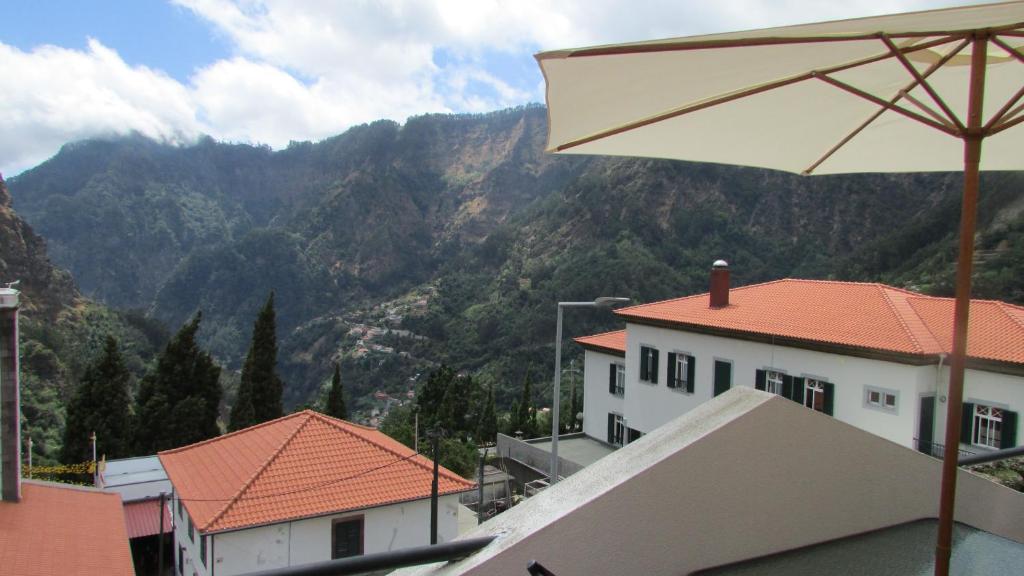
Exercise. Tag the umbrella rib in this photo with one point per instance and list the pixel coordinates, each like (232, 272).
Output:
(874, 116)
(924, 84)
(678, 46)
(1005, 125)
(898, 109)
(687, 109)
(1004, 113)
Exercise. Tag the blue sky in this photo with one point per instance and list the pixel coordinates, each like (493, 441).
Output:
(272, 71)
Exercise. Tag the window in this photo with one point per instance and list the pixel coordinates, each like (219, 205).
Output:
(181, 512)
(616, 429)
(814, 394)
(347, 538)
(617, 379)
(681, 368)
(202, 549)
(649, 364)
(880, 399)
(988, 426)
(773, 382)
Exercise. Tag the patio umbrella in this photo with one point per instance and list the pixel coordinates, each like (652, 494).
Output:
(901, 93)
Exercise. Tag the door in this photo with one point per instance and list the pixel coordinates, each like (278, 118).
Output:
(723, 376)
(924, 428)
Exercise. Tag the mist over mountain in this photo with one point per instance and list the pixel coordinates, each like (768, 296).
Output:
(393, 248)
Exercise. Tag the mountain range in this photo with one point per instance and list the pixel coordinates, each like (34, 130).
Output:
(394, 248)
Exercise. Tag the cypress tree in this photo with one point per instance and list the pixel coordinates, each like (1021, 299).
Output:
(487, 430)
(574, 407)
(179, 399)
(523, 420)
(243, 414)
(260, 368)
(335, 397)
(101, 404)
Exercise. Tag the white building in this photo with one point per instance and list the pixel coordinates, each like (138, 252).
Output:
(870, 355)
(300, 489)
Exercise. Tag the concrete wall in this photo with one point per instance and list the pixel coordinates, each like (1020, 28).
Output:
(647, 406)
(744, 475)
(597, 401)
(533, 456)
(302, 541)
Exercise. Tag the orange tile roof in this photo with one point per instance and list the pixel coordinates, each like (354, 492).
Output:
(862, 315)
(62, 530)
(142, 518)
(305, 464)
(610, 341)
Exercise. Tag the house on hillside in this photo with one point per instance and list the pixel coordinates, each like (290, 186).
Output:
(140, 481)
(868, 354)
(728, 489)
(49, 529)
(300, 489)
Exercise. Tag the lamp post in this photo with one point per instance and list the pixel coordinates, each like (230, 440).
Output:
(602, 302)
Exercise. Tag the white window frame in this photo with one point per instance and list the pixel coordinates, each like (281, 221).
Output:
(648, 360)
(773, 380)
(881, 399)
(619, 424)
(620, 379)
(681, 370)
(812, 388)
(987, 426)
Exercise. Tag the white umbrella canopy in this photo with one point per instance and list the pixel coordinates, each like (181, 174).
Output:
(902, 93)
(764, 98)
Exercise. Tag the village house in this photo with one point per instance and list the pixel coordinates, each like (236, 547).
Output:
(300, 489)
(870, 355)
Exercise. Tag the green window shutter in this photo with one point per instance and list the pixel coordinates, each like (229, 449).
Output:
(654, 365)
(691, 371)
(611, 428)
(966, 421)
(644, 351)
(830, 394)
(1009, 430)
(759, 380)
(798, 390)
(611, 378)
(787, 386)
(671, 380)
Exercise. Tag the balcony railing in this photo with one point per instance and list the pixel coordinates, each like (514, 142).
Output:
(937, 450)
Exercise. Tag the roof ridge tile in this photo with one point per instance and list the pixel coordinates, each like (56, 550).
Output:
(897, 311)
(263, 467)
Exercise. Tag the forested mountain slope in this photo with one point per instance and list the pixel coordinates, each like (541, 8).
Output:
(459, 233)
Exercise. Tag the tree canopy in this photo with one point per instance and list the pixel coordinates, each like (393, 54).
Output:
(101, 404)
(260, 388)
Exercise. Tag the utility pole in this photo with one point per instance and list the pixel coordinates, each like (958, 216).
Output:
(480, 490)
(160, 545)
(95, 464)
(435, 441)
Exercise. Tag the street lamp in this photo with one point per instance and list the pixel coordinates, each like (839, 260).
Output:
(602, 302)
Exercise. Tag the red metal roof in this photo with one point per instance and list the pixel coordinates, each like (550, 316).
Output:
(142, 518)
(614, 342)
(64, 530)
(305, 464)
(862, 315)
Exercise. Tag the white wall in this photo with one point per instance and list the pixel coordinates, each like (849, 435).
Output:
(648, 406)
(385, 529)
(597, 401)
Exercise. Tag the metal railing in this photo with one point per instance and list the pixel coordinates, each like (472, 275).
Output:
(937, 450)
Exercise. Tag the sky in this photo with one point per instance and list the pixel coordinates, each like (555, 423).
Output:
(274, 71)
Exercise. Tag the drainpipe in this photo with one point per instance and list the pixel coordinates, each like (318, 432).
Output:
(938, 372)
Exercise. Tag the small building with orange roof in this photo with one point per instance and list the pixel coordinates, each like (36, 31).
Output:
(300, 489)
(871, 355)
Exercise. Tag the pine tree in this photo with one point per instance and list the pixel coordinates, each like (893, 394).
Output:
(335, 397)
(487, 429)
(523, 420)
(574, 407)
(179, 399)
(431, 397)
(259, 373)
(101, 404)
(243, 414)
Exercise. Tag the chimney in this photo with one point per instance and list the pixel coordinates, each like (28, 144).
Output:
(719, 284)
(10, 419)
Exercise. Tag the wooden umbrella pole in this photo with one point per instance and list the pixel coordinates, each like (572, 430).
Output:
(964, 269)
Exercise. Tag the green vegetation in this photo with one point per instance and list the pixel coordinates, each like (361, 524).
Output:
(178, 402)
(335, 405)
(101, 406)
(259, 390)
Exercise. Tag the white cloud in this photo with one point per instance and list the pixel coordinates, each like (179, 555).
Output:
(53, 95)
(306, 70)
